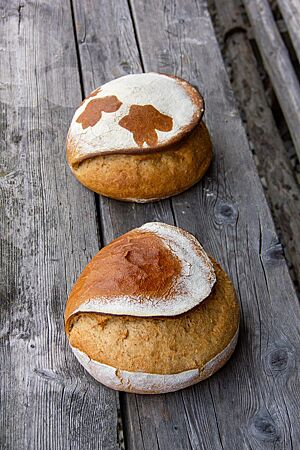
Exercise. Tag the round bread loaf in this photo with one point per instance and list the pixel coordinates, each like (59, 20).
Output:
(152, 313)
(140, 138)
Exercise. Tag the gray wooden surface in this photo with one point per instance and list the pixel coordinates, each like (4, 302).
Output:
(277, 63)
(290, 10)
(252, 403)
(272, 161)
(48, 233)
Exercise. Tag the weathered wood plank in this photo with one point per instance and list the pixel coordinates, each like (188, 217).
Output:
(249, 404)
(48, 233)
(156, 422)
(277, 63)
(273, 164)
(106, 52)
(290, 9)
(228, 212)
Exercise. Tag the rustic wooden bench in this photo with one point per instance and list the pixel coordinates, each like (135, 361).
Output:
(53, 53)
(275, 167)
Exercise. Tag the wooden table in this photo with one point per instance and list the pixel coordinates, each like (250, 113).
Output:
(53, 53)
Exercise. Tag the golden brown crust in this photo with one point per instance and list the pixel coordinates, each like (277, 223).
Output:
(135, 264)
(161, 345)
(151, 176)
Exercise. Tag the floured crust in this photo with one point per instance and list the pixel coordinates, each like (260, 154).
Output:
(148, 383)
(133, 114)
(148, 177)
(163, 354)
(154, 270)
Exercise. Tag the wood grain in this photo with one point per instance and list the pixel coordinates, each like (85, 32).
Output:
(107, 53)
(290, 9)
(252, 402)
(228, 213)
(159, 421)
(277, 63)
(273, 164)
(48, 233)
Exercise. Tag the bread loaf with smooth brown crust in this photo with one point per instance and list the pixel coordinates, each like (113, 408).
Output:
(152, 313)
(169, 344)
(140, 138)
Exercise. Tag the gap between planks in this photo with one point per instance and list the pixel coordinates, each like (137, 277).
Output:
(228, 236)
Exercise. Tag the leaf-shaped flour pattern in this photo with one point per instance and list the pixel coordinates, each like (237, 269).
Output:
(143, 120)
(92, 94)
(94, 109)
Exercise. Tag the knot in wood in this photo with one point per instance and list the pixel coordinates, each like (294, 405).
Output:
(274, 253)
(263, 428)
(126, 66)
(234, 29)
(278, 360)
(226, 212)
(16, 138)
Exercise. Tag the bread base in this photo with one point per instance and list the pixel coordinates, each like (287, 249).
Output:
(170, 345)
(147, 177)
(150, 383)
(157, 199)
